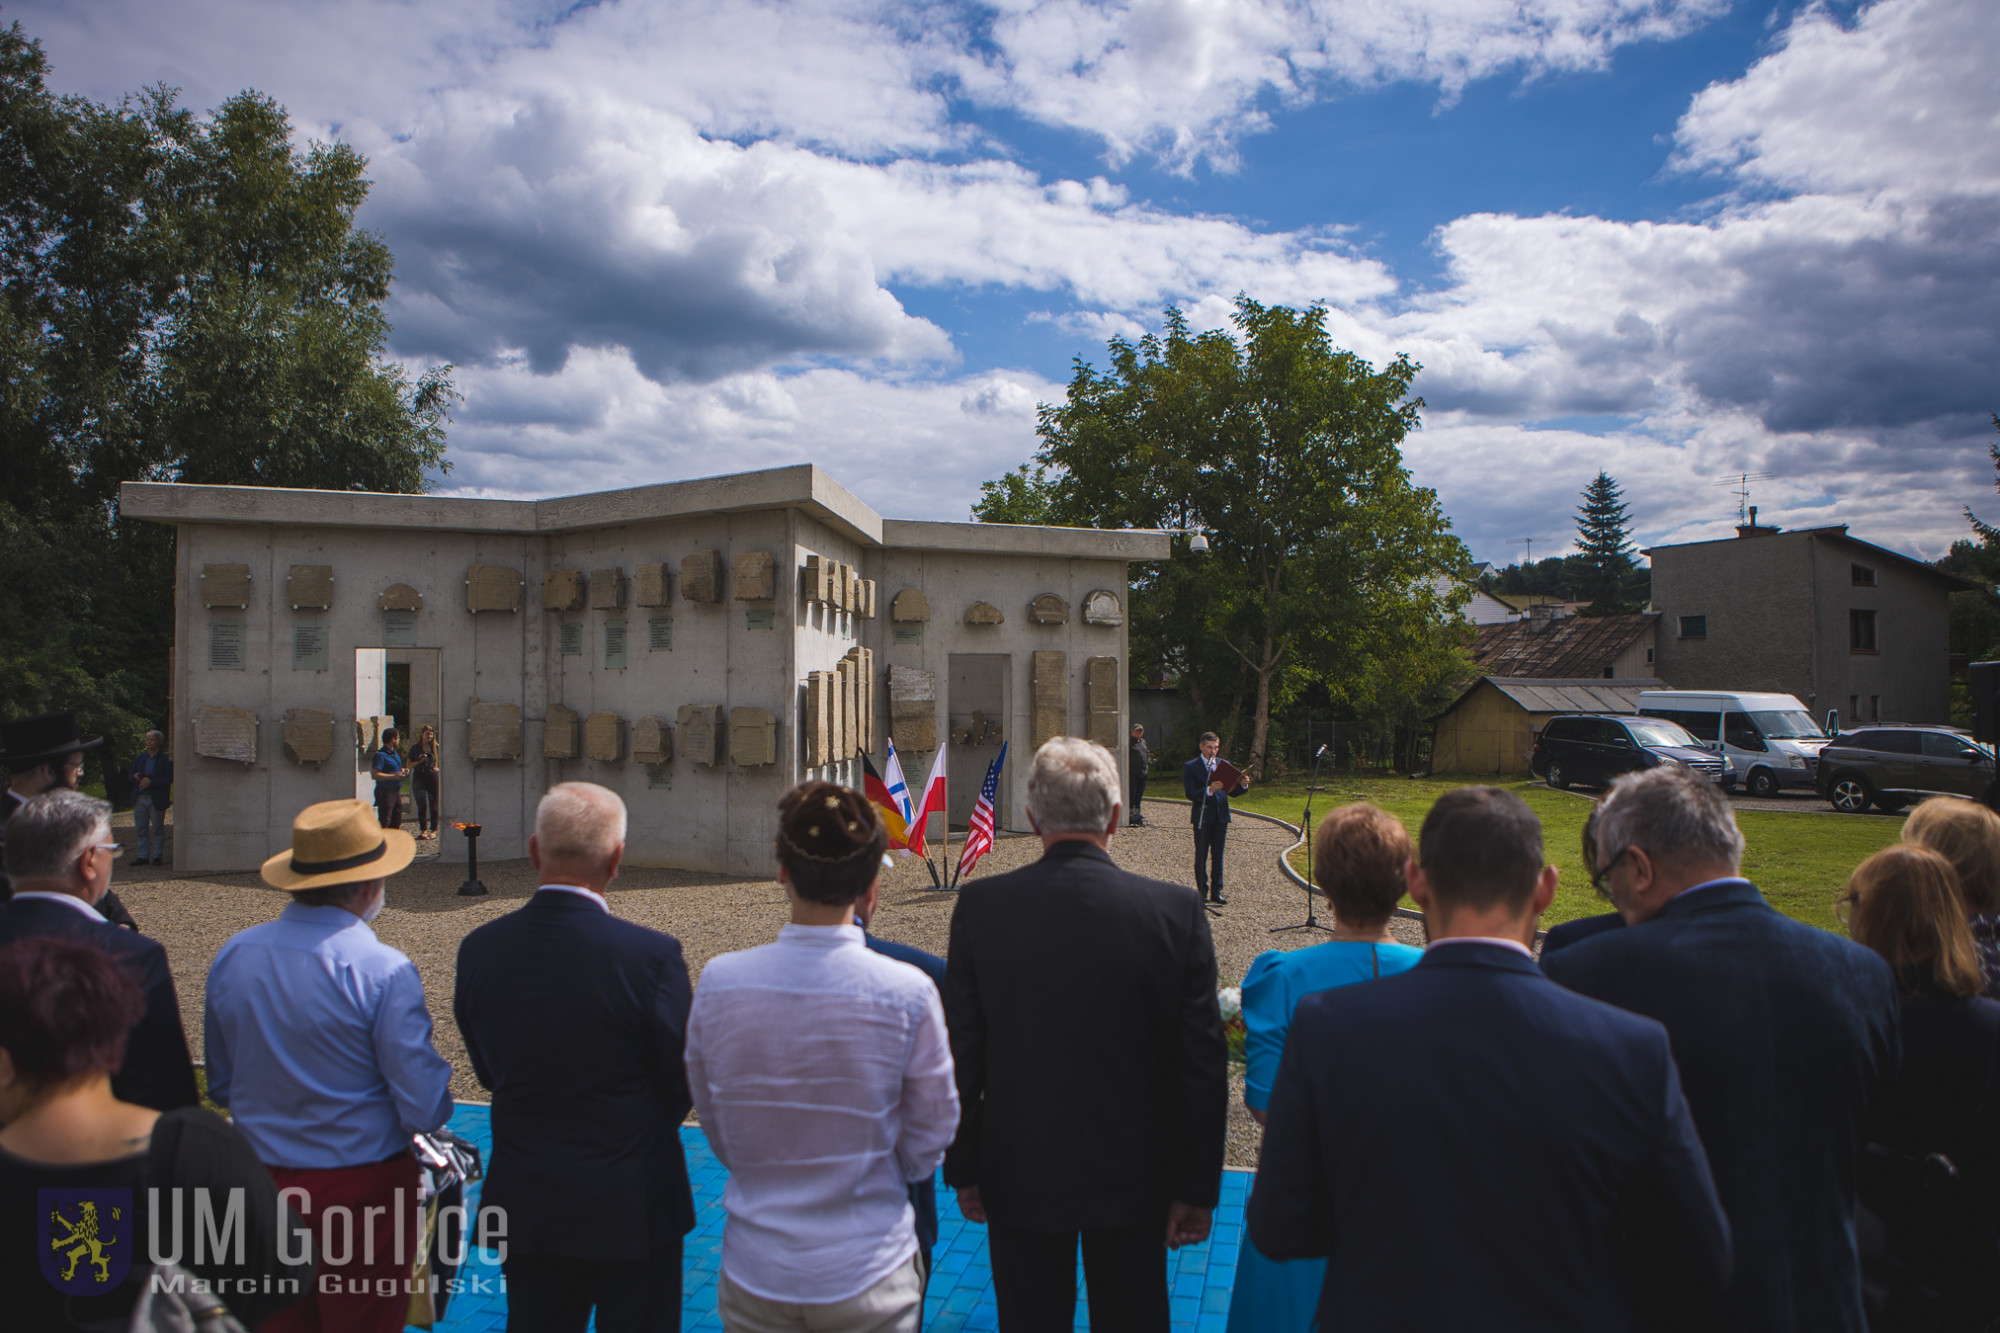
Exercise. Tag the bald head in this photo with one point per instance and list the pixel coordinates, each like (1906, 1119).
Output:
(579, 835)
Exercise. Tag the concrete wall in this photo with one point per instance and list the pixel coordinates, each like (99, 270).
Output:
(230, 816)
(1777, 609)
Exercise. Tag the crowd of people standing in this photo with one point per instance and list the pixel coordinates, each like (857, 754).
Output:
(1693, 1113)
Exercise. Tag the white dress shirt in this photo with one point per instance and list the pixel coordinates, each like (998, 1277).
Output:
(68, 900)
(823, 1079)
(1515, 945)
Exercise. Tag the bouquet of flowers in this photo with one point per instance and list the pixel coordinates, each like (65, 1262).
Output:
(1230, 999)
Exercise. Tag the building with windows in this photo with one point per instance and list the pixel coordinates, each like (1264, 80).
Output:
(1836, 621)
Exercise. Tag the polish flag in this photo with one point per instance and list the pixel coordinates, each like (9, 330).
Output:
(932, 802)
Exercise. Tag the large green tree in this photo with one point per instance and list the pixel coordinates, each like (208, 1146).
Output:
(182, 298)
(1604, 545)
(1325, 561)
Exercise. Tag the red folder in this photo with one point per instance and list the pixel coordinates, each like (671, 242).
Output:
(1228, 774)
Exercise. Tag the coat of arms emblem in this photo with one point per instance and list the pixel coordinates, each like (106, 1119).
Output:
(85, 1239)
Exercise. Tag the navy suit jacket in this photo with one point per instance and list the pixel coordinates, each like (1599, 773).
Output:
(1571, 932)
(1786, 1038)
(1473, 1147)
(1203, 807)
(577, 1021)
(157, 1071)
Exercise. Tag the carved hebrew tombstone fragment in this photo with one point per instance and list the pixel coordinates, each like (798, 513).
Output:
(701, 577)
(984, 613)
(559, 733)
(753, 737)
(492, 588)
(819, 719)
(604, 737)
(308, 735)
(562, 590)
(226, 733)
(700, 728)
(868, 599)
(910, 605)
(1049, 609)
(400, 597)
(651, 584)
(1102, 608)
(493, 730)
(1100, 701)
(754, 575)
(1051, 690)
(310, 588)
(225, 585)
(816, 580)
(652, 740)
(607, 590)
(913, 708)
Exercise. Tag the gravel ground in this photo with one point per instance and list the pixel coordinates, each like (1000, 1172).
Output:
(713, 914)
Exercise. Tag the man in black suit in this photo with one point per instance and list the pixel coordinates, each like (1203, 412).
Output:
(1208, 811)
(1785, 1036)
(59, 855)
(1472, 1146)
(1092, 1076)
(576, 1021)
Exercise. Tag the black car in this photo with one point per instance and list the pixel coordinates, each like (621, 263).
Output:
(1591, 750)
(1889, 767)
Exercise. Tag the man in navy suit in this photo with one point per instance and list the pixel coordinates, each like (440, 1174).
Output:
(59, 854)
(576, 1021)
(1470, 1145)
(1785, 1035)
(1208, 811)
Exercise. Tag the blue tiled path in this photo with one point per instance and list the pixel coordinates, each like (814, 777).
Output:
(961, 1290)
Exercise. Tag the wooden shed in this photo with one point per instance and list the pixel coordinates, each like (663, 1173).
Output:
(1491, 727)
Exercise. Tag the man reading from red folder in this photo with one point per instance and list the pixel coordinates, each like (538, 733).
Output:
(1209, 782)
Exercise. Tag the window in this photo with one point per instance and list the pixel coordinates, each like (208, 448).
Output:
(1860, 631)
(1853, 708)
(1701, 725)
(1864, 577)
(1874, 708)
(1938, 745)
(1886, 742)
(1740, 733)
(1694, 627)
(1649, 657)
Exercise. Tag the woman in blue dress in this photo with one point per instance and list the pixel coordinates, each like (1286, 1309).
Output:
(1359, 852)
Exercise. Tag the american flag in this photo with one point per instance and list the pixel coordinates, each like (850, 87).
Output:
(979, 834)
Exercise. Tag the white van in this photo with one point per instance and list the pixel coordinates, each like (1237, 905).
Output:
(1767, 741)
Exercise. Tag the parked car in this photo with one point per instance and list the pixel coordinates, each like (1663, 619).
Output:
(1767, 741)
(1890, 766)
(1591, 749)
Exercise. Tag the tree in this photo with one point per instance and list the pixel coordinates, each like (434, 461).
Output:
(1604, 547)
(181, 299)
(1285, 451)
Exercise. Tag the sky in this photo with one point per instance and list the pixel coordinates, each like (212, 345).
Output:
(1676, 240)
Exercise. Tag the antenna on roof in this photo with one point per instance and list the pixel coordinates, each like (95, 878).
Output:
(1527, 550)
(1741, 481)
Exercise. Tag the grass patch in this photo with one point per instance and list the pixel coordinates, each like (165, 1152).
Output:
(1800, 860)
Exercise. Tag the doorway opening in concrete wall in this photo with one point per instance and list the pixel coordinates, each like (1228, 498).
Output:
(402, 687)
(977, 709)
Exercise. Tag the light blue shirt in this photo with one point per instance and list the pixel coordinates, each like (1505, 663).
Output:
(319, 1042)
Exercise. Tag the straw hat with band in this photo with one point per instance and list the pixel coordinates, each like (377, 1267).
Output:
(339, 842)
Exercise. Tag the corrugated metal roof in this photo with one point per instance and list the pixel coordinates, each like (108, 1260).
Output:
(1581, 695)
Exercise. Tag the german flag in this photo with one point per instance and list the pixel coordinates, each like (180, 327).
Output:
(877, 792)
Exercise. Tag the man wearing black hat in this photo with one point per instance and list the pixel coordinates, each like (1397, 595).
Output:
(45, 753)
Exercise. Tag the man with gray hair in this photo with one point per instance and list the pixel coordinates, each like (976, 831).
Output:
(1092, 1076)
(1785, 1036)
(59, 856)
(576, 1020)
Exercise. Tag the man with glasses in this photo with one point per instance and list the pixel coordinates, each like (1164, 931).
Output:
(59, 855)
(1583, 927)
(1785, 1036)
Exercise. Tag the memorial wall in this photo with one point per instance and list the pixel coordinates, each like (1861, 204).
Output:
(696, 646)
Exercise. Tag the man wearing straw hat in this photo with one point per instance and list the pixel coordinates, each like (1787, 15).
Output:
(319, 1043)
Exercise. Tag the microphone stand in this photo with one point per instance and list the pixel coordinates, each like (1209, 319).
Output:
(1305, 826)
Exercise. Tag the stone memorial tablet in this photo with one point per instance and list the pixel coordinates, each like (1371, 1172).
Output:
(912, 708)
(754, 575)
(607, 590)
(1051, 701)
(1100, 701)
(753, 737)
(604, 737)
(1102, 608)
(1049, 609)
(868, 599)
(701, 577)
(400, 597)
(652, 585)
(652, 740)
(819, 719)
(562, 590)
(816, 582)
(843, 711)
(984, 613)
(910, 606)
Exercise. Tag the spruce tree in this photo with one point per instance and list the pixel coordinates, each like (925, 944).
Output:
(1604, 547)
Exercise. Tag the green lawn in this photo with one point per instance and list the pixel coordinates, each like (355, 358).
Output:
(1799, 859)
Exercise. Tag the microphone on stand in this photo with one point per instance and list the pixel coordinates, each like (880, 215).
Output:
(1321, 751)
